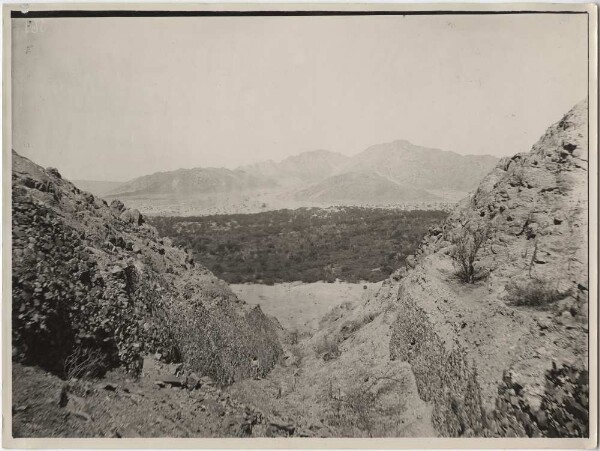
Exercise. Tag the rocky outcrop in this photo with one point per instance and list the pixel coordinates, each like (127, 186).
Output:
(486, 354)
(91, 279)
(132, 216)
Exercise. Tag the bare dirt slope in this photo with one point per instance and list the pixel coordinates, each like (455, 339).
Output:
(340, 381)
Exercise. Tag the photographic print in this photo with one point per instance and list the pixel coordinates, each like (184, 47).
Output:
(303, 224)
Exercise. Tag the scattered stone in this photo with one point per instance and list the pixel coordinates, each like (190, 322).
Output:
(132, 216)
(172, 381)
(207, 381)
(63, 397)
(108, 386)
(192, 381)
(54, 172)
(177, 368)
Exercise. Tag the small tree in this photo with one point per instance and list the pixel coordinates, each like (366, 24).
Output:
(468, 241)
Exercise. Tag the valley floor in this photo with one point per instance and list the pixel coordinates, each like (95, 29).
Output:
(300, 306)
(337, 379)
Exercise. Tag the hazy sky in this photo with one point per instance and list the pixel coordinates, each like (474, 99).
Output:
(115, 98)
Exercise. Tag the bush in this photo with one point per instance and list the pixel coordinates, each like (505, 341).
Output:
(63, 299)
(294, 336)
(468, 241)
(327, 348)
(533, 293)
(357, 409)
(82, 304)
(84, 363)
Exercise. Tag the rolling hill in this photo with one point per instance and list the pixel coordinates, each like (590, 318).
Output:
(422, 167)
(363, 187)
(396, 173)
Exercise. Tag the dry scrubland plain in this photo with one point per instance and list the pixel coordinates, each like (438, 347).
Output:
(483, 332)
(351, 244)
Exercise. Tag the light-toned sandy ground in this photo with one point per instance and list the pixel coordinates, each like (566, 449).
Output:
(300, 306)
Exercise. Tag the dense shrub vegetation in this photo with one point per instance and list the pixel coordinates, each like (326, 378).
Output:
(62, 300)
(307, 244)
(93, 287)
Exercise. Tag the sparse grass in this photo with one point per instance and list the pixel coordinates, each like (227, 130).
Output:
(533, 293)
(84, 363)
(294, 337)
(352, 326)
(355, 409)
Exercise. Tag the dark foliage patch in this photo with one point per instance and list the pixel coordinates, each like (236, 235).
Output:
(307, 244)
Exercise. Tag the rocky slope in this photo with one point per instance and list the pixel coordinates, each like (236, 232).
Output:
(92, 279)
(500, 353)
(507, 354)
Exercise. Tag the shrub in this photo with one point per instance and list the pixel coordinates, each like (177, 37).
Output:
(84, 301)
(84, 363)
(64, 300)
(533, 293)
(327, 348)
(357, 409)
(294, 336)
(563, 412)
(468, 241)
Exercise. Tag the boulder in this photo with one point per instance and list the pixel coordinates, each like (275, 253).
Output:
(207, 381)
(54, 172)
(172, 381)
(192, 381)
(132, 216)
(117, 206)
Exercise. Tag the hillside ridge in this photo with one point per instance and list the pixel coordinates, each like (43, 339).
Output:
(506, 355)
(96, 277)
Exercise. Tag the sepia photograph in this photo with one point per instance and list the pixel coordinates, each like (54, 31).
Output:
(300, 224)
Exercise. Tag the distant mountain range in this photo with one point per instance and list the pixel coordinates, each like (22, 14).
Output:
(385, 174)
(191, 182)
